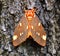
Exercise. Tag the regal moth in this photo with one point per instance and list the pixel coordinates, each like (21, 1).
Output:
(29, 25)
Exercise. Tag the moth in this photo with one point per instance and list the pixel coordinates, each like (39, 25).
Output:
(29, 25)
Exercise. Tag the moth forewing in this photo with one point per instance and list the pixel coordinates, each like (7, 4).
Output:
(20, 32)
(38, 33)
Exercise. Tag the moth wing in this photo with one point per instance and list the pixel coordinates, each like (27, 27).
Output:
(20, 32)
(38, 32)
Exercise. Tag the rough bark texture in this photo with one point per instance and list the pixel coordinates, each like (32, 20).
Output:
(48, 12)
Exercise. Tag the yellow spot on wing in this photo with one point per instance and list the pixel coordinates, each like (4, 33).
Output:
(20, 24)
(32, 27)
(38, 33)
(14, 37)
(39, 24)
(21, 33)
(27, 27)
(44, 37)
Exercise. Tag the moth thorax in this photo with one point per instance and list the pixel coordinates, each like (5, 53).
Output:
(29, 17)
(29, 14)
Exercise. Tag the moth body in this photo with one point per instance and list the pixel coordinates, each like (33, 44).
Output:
(29, 25)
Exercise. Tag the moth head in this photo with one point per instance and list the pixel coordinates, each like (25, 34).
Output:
(29, 14)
